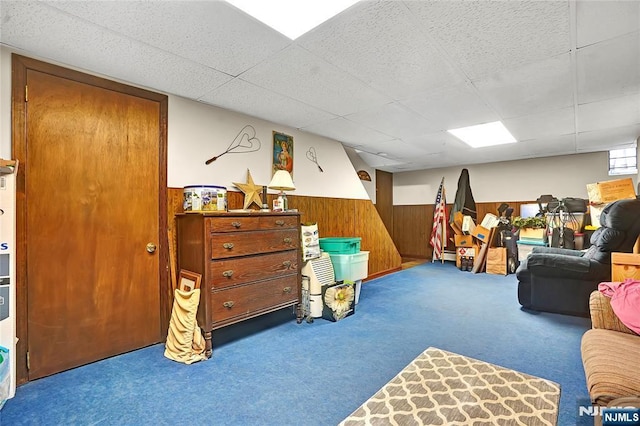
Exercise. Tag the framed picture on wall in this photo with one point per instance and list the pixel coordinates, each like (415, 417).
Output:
(282, 153)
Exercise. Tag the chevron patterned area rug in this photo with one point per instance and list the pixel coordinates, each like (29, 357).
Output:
(443, 388)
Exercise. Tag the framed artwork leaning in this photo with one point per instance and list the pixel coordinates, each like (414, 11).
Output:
(282, 153)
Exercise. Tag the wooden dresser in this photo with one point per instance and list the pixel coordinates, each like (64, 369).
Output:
(250, 264)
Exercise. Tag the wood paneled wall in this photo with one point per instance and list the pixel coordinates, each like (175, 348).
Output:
(412, 225)
(336, 217)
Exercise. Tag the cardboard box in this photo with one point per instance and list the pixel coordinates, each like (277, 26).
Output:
(532, 234)
(463, 241)
(602, 193)
(468, 225)
(490, 221)
(610, 190)
(481, 233)
(464, 251)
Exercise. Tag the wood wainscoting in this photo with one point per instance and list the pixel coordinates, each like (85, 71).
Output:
(412, 226)
(336, 217)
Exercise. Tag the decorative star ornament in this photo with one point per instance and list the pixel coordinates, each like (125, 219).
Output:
(251, 191)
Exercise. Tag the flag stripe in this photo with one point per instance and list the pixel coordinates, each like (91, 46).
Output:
(439, 229)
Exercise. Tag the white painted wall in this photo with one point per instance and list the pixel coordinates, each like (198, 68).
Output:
(197, 132)
(359, 164)
(523, 180)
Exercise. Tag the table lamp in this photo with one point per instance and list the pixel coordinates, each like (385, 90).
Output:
(281, 181)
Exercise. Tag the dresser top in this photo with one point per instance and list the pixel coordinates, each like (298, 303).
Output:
(238, 213)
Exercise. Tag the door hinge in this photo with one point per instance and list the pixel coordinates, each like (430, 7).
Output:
(28, 362)
(26, 93)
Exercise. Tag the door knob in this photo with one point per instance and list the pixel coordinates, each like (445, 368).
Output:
(151, 248)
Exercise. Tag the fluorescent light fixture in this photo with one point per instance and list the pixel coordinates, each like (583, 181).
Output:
(292, 17)
(488, 134)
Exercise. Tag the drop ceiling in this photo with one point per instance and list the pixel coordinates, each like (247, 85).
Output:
(387, 78)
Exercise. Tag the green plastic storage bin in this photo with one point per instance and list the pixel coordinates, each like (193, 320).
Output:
(350, 267)
(340, 245)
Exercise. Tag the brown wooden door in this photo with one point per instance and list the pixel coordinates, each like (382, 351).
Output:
(384, 199)
(93, 174)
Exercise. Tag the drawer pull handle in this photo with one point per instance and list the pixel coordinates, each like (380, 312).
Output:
(287, 240)
(228, 246)
(229, 304)
(236, 224)
(286, 263)
(280, 222)
(287, 290)
(228, 273)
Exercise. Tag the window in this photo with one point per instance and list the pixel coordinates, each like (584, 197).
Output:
(623, 161)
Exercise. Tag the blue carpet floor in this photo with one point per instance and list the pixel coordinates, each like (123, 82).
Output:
(272, 371)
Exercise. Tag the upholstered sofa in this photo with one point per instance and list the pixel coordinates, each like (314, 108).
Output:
(611, 357)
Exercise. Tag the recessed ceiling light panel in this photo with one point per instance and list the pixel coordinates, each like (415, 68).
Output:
(292, 17)
(482, 135)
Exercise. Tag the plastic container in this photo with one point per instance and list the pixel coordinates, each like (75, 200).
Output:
(350, 267)
(340, 245)
(578, 240)
(204, 198)
(525, 248)
(357, 290)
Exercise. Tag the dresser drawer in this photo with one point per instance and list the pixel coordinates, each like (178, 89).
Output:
(245, 300)
(233, 224)
(224, 245)
(245, 223)
(234, 271)
(278, 222)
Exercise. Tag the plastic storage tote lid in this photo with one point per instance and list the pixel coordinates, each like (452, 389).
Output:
(205, 186)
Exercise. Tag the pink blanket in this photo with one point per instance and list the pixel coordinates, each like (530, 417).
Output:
(625, 301)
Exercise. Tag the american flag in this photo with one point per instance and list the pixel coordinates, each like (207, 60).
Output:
(439, 230)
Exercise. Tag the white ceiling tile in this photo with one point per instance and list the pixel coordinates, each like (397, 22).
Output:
(546, 147)
(238, 95)
(488, 36)
(609, 114)
(604, 140)
(531, 88)
(542, 125)
(213, 33)
(397, 150)
(452, 108)
(346, 131)
(389, 74)
(374, 160)
(395, 120)
(609, 69)
(103, 51)
(296, 73)
(385, 49)
(602, 20)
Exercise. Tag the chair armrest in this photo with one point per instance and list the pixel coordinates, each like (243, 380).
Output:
(561, 266)
(602, 315)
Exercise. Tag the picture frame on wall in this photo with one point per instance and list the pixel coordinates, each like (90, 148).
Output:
(282, 153)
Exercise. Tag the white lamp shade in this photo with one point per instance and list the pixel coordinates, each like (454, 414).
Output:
(282, 181)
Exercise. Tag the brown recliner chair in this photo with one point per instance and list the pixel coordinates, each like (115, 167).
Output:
(561, 280)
